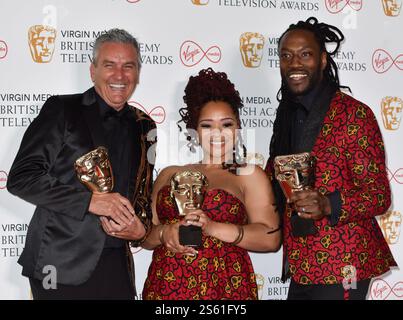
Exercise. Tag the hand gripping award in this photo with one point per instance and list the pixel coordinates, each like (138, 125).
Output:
(296, 172)
(187, 190)
(94, 170)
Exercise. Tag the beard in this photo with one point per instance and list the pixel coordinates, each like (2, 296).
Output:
(311, 82)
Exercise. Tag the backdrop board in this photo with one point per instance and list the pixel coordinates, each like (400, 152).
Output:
(177, 39)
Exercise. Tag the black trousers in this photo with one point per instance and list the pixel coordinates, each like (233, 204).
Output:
(109, 281)
(298, 291)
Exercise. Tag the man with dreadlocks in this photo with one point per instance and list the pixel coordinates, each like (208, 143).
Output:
(333, 245)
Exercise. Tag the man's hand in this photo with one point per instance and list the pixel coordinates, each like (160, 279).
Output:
(310, 204)
(114, 206)
(134, 231)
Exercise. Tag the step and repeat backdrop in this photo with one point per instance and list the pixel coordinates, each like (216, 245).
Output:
(177, 39)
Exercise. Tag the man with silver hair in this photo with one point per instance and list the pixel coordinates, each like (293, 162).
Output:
(77, 244)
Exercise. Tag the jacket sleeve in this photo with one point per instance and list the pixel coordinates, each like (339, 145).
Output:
(30, 176)
(366, 190)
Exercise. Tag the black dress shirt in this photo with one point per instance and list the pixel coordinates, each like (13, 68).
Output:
(303, 106)
(115, 128)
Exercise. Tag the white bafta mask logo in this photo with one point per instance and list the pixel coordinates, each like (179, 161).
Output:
(392, 108)
(392, 7)
(251, 45)
(41, 40)
(390, 224)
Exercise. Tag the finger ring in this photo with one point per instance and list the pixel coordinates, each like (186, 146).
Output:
(113, 233)
(197, 219)
(303, 209)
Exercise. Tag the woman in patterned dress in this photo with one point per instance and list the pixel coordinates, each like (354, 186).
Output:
(238, 212)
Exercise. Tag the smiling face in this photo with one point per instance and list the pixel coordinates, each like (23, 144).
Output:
(216, 129)
(301, 62)
(115, 73)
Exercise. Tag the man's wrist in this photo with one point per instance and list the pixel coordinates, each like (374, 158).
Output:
(138, 242)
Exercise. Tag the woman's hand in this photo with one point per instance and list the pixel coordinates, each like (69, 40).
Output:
(169, 236)
(200, 219)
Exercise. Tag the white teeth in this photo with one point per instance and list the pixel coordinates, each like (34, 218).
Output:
(297, 76)
(217, 142)
(117, 86)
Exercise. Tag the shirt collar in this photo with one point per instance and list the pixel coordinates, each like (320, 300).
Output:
(308, 100)
(106, 110)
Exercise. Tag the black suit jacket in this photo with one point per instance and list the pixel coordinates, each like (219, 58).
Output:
(62, 232)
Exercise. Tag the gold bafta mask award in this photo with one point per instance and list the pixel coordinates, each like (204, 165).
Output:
(294, 172)
(187, 190)
(94, 170)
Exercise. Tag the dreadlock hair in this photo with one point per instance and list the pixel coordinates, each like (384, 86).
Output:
(324, 33)
(208, 86)
(280, 143)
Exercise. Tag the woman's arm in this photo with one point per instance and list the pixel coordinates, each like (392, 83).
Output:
(263, 232)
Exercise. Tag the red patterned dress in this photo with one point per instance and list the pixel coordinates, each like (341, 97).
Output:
(219, 271)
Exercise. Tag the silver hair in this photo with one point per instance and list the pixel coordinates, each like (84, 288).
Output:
(119, 36)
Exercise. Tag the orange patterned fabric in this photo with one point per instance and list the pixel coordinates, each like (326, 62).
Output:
(219, 271)
(350, 158)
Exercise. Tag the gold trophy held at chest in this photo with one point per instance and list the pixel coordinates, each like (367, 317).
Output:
(94, 170)
(188, 189)
(294, 172)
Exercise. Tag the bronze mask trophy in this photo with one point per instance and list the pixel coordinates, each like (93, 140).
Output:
(187, 190)
(94, 170)
(296, 172)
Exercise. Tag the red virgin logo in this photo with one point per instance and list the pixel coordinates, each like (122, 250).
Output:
(381, 290)
(191, 53)
(397, 176)
(335, 6)
(3, 49)
(382, 61)
(157, 113)
(3, 179)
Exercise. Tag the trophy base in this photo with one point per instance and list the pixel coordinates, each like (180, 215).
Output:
(190, 236)
(302, 227)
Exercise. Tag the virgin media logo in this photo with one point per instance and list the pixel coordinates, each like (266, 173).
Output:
(335, 6)
(381, 290)
(191, 53)
(382, 61)
(397, 176)
(3, 49)
(3, 179)
(157, 113)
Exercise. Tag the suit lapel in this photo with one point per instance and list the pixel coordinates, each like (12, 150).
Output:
(92, 118)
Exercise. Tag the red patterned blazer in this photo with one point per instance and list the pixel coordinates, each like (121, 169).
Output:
(350, 158)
